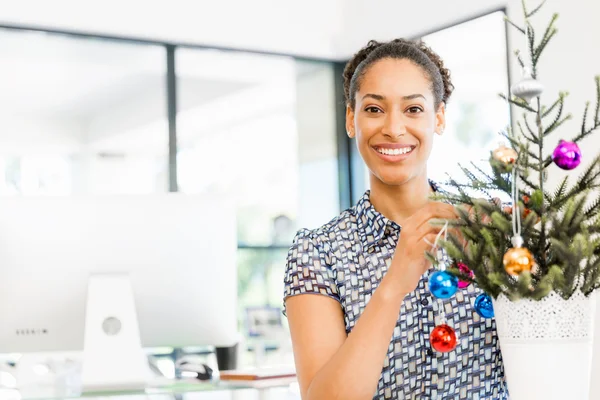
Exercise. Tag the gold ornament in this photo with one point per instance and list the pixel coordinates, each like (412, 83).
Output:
(517, 260)
(505, 155)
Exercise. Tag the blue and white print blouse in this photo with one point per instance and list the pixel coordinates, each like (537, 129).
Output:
(346, 259)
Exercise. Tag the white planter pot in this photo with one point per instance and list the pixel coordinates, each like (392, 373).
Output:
(547, 346)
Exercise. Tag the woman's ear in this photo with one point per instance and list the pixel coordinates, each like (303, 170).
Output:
(350, 121)
(440, 119)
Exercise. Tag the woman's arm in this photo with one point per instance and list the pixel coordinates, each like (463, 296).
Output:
(332, 366)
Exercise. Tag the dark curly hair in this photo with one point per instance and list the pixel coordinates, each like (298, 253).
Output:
(417, 52)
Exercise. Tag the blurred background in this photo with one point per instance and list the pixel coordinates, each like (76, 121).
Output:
(141, 98)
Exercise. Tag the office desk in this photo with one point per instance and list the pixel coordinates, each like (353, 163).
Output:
(276, 389)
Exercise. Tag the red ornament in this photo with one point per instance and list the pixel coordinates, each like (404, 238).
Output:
(443, 338)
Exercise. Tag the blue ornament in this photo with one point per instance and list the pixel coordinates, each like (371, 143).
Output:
(442, 284)
(483, 305)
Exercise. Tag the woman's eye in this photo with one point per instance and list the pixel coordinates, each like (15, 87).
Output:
(414, 110)
(372, 110)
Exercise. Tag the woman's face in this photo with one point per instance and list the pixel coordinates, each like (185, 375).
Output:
(394, 120)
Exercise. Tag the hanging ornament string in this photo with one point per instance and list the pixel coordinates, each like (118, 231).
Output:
(517, 259)
(442, 285)
(517, 240)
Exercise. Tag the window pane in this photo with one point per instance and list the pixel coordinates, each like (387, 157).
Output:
(81, 115)
(261, 128)
(475, 113)
(260, 290)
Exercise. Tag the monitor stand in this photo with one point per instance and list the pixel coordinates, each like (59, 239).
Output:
(113, 358)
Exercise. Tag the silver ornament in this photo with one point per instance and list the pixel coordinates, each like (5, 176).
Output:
(528, 88)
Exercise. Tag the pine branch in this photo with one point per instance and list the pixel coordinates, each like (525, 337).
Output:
(530, 154)
(482, 172)
(529, 128)
(502, 222)
(553, 278)
(528, 224)
(542, 46)
(535, 10)
(556, 123)
(531, 139)
(531, 41)
(591, 275)
(543, 261)
(519, 58)
(516, 101)
(584, 119)
(470, 175)
(492, 246)
(587, 181)
(560, 191)
(514, 25)
(593, 209)
(548, 34)
(524, 6)
(560, 101)
(453, 251)
(547, 162)
(527, 182)
(586, 132)
(573, 216)
(514, 142)
(525, 284)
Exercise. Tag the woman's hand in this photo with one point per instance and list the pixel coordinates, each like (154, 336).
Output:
(417, 236)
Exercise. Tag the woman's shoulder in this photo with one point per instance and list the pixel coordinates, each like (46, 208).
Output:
(327, 232)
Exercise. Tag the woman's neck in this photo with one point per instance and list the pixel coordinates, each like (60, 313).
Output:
(400, 202)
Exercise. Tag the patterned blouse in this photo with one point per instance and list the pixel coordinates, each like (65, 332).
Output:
(346, 259)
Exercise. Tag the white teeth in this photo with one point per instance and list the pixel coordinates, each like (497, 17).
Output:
(394, 152)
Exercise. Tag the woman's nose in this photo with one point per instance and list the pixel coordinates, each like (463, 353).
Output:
(394, 125)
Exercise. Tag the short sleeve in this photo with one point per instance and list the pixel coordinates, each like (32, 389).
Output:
(307, 271)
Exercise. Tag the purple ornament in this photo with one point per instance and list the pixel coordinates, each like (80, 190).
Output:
(462, 267)
(567, 155)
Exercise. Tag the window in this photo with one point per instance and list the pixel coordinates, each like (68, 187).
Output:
(261, 128)
(81, 115)
(475, 53)
(89, 115)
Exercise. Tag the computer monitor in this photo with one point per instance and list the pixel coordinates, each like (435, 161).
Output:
(106, 274)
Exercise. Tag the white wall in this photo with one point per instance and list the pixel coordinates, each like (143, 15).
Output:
(388, 19)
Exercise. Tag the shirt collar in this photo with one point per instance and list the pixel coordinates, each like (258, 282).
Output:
(372, 225)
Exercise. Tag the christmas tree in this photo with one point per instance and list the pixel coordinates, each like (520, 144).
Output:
(545, 240)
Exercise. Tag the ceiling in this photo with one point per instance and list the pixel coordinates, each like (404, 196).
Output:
(328, 29)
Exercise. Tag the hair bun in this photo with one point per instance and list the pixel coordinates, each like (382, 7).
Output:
(444, 72)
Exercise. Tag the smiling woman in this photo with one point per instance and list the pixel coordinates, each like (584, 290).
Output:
(398, 96)
(368, 281)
